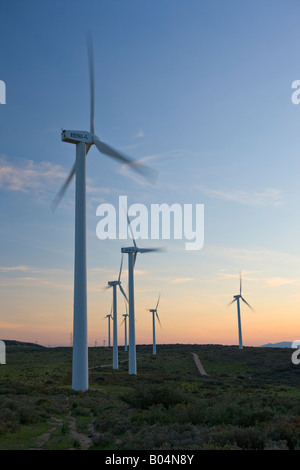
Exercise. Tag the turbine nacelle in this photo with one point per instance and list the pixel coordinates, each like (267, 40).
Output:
(114, 283)
(129, 249)
(74, 137)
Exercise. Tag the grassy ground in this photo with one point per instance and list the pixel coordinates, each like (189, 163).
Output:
(249, 399)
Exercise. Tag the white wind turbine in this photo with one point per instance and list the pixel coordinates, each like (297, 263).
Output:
(83, 141)
(125, 315)
(114, 285)
(109, 317)
(132, 252)
(154, 313)
(237, 300)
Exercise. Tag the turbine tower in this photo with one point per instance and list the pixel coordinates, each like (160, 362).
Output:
(114, 285)
(154, 313)
(237, 300)
(83, 141)
(132, 252)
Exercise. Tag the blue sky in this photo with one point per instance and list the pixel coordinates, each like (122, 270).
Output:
(201, 90)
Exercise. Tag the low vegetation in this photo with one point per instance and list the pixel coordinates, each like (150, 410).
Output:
(249, 399)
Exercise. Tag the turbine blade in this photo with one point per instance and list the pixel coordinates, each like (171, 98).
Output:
(147, 250)
(157, 302)
(128, 221)
(247, 303)
(89, 41)
(143, 170)
(230, 303)
(120, 268)
(158, 318)
(134, 258)
(64, 187)
(240, 284)
(106, 288)
(122, 290)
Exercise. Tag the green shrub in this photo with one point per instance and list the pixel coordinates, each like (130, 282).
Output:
(249, 438)
(27, 415)
(144, 397)
(288, 430)
(81, 411)
(9, 421)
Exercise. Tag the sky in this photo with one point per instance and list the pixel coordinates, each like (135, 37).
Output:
(201, 91)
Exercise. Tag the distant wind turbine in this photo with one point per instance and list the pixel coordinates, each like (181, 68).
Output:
(132, 252)
(237, 300)
(154, 313)
(109, 317)
(83, 141)
(125, 315)
(114, 285)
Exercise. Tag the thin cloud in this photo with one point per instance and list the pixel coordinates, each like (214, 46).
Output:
(257, 276)
(180, 280)
(139, 134)
(31, 269)
(27, 176)
(31, 281)
(245, 275)
(267, 197)
(9, 269)
(10, 325)
(280, 281)
(258, 255)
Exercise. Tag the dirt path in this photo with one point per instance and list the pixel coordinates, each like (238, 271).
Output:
(198, 364)
(83, 440)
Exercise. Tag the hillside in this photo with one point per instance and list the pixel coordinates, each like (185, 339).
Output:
(282, 344)
(10, 342)
(249, 399)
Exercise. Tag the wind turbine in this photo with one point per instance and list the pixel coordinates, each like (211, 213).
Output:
(132, 252)
(83, 141)
(109, 317)
(237, 300)
(154, 313)
(114, 285)
(125, 315)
